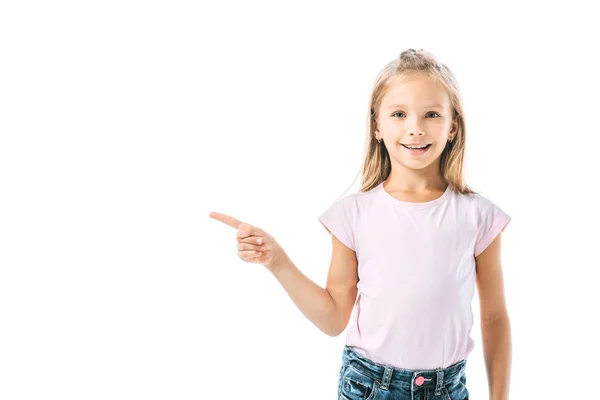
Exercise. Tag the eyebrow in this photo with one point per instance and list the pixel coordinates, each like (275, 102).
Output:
(434, 105)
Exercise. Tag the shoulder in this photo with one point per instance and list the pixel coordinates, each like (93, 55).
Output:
(356, 199)
(345, 206)
(467, 202)
(485, 205)
(477, 200)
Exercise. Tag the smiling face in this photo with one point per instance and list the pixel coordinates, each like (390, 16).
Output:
(415, 112)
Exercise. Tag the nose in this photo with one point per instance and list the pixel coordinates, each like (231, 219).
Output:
(420, 133)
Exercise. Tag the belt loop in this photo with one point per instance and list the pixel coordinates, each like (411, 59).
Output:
(440, 381)
(387, 377)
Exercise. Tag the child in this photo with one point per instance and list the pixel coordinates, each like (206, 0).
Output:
(407, 251)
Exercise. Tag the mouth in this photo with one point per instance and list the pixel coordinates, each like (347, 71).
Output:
(417, 151)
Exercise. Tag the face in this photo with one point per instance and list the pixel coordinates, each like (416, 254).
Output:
(415, 112)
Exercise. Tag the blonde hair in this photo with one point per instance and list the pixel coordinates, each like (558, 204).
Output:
(377, 166)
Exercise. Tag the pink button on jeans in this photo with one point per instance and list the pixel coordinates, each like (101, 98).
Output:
(419, 381)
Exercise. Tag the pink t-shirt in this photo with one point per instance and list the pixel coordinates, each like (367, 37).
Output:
(416, 270)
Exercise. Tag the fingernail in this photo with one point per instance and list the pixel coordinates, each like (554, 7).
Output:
(259, 240)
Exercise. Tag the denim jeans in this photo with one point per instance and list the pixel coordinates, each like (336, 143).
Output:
(363, 379)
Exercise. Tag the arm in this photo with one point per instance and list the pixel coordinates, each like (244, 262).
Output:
(495, 323)
(327, 308)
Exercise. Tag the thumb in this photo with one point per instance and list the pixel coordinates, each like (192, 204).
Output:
(246, 230)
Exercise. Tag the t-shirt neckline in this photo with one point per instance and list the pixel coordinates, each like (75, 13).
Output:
(411, 204)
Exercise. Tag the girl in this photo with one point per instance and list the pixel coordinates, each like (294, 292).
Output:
(407, 250)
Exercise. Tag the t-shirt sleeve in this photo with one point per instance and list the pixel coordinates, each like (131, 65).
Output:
(339, 219)
(492, 221)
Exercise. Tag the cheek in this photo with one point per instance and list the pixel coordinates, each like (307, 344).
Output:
(387, 125)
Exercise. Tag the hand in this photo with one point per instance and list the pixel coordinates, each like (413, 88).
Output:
(254, 245)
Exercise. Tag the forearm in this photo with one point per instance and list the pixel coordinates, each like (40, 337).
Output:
(311, 299)
(497, 351)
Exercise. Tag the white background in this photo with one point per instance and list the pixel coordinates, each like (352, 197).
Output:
(124, 124)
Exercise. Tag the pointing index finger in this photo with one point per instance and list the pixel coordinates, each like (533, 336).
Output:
(226, 219)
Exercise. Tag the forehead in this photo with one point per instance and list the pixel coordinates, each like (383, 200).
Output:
(416, 91)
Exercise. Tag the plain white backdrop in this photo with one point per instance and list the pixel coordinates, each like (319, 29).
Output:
(124, 124)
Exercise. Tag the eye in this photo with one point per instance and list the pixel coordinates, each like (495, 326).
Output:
(431, 112)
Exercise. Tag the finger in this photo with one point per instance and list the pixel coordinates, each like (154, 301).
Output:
(226, 219)
(259, 240)
(247, 246)
(258, 255)
(249, 254)
(247, 230)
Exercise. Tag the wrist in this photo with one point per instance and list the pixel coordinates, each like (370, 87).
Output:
(278, 260)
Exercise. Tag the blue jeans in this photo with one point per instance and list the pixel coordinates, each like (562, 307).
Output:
(363, 379)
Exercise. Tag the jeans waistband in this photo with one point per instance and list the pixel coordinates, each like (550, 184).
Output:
(406, 378)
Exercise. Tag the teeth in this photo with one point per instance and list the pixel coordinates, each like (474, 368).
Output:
(415, 148)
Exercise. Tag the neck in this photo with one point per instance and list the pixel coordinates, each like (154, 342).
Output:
(416, 181)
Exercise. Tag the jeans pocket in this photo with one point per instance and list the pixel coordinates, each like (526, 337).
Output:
(355, 385)
(457, 390)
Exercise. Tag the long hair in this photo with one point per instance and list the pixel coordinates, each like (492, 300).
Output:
(377, 166)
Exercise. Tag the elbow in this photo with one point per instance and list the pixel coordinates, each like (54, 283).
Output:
(329, 331)
(339, 327)
(337, 331)
(493, 319)
(334, 333)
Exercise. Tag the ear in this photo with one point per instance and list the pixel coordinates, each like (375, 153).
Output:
(454, 130)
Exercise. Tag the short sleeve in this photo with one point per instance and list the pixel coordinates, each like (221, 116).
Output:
(492, 221)
(339, 219)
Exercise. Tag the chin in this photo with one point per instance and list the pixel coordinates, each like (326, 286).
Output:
(416, 162)
(416, 166)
